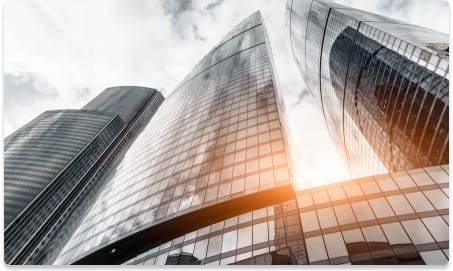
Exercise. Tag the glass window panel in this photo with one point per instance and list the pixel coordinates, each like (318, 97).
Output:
(315, 249)
(203, 231)
(188, 248)
(403, 180)
(231, 222)
(381, 208)
(327, 217)
(237, 186)
(373, 234)
(211, 193)
(320, 197)
(370, 187)
(434, 257)
(214, 245)
(217, 226)
(353, 190)
(353, 236)
(400, 205)
(257, 214)
(244, 237)
(245, 217)
(420, 177)
(437, 227)
(335, 245)
(309, 221)
(437, 198)
(386, 183)
(419, 202)
(200, 249)
(251, 183)
(190, 235)
(304, 200)
(260, 252)
(362, 210)
(260, 233)
(417, 231)
(395, 233)
(229, 241)
(281, 174)
(336, 192)
(344, 214)
(438, 174)
(243, 256)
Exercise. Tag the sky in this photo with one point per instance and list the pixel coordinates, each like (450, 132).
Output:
(59, 54)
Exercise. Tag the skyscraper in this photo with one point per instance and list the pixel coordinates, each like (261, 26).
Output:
(216, 149)
(54, 165)
(208, 181)
(382, 84)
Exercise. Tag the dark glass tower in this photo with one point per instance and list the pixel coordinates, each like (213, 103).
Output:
(216, 149)
(54, 165)
(382, 85)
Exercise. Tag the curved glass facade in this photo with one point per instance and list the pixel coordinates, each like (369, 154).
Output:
(67, 132)
(382, 85)
(44, 160)
(217, 140)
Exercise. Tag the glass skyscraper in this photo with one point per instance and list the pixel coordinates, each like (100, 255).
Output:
(54, 164)
(208, 179)
(215, 149)
(382, 85)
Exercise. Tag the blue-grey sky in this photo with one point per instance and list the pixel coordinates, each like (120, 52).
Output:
(60, 54)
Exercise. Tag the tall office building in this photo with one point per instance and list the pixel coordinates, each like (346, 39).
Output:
(208, 182)
(54, 165)
(216, 149)
(382, 84)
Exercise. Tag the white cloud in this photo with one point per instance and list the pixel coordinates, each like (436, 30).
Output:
(75, 49)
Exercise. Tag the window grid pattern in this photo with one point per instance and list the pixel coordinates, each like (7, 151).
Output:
(217, 137)
(136, 111)
(379, 219)
(236, 239)
(383, 84)
(69, 173)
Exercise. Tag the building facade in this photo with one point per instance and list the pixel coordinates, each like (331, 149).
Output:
(54, 165)
(208, 179)
(397, 218)
(215, 149)
(382, 85)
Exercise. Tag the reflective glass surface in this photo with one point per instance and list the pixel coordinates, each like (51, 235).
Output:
(218, 137)
(395, 226)
(382, 85)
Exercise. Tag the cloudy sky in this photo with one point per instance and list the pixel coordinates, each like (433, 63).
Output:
(59, 54)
